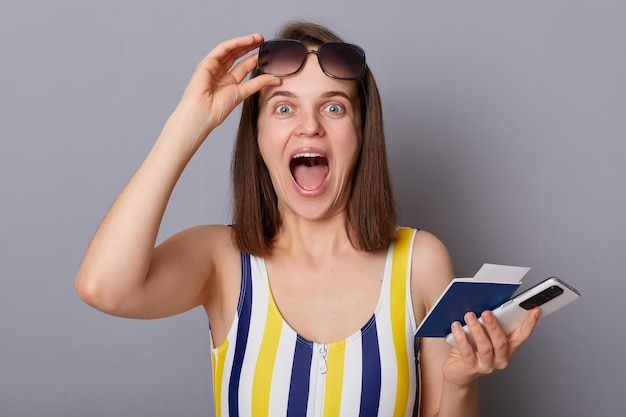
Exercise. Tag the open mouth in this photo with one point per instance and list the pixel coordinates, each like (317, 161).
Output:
(309, 170)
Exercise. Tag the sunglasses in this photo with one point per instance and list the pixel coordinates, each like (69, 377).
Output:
(282, 57)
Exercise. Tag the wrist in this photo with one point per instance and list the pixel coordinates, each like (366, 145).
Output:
(187, 127)
(459, 399)
(460, 389)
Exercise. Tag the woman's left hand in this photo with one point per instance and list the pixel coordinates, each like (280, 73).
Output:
(492, 351)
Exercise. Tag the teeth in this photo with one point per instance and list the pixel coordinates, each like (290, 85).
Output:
(307, 155)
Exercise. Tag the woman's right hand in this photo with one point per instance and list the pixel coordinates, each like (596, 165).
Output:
(216, 87)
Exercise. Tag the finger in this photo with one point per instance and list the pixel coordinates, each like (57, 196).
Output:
(256, 84)
(484, 348)
(244, 67)
(523, 332)
(498, 339)
(227, 52)
(464, 346)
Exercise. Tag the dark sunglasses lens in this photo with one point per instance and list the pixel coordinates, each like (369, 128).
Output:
(281, 57)
(342, 60)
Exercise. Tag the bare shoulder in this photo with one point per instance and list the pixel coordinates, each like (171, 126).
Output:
(206, 239)
(431, 271)
(209, 233)
(210, 245)
(221, 239)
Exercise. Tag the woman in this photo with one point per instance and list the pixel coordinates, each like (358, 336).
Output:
(313, 294)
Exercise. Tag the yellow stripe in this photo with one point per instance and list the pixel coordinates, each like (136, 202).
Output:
(334, 378)
(265, 361)
(398, 317)
(218, 374)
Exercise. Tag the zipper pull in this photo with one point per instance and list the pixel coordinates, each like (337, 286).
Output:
(323, 355)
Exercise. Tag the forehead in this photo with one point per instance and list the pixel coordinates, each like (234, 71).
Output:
(311, 81)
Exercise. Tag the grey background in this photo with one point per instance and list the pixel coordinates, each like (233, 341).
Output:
(505, 124)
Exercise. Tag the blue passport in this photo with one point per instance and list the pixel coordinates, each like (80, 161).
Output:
(492, 286)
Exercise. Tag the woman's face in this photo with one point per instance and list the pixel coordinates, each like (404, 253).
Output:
(309, 135)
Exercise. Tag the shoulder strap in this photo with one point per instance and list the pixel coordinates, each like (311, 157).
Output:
(400, 278)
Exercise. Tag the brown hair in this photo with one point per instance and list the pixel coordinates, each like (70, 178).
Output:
(371, 207)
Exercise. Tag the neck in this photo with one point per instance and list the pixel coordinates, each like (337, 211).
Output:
(316, 238)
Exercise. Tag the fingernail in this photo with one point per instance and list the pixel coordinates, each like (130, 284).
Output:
(470, 318)
(488, 317)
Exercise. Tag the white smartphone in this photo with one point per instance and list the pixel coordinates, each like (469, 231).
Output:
(550, 295)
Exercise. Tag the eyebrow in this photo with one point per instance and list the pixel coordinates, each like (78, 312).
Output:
(328, 94)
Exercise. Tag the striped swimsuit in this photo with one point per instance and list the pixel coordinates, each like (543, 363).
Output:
(264, 368)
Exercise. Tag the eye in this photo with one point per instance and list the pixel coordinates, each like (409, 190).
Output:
(283, 109)
(334, 109)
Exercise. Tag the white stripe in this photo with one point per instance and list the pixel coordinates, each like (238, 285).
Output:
(279, 394)
(316, 385)
(389, 368)
(409, 294)
(228, 366)
(352, 376)
(410, 348)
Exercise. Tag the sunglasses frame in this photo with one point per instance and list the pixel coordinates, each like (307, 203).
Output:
(317, 52)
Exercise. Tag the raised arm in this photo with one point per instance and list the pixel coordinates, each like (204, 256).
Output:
(121, 272)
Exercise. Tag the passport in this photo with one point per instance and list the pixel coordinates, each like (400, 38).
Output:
(490, 287)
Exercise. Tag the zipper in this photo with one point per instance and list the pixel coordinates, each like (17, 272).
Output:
(323, 355)
(320, 378)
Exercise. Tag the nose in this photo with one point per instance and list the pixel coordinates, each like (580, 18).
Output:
(310, 121)
(310, 124)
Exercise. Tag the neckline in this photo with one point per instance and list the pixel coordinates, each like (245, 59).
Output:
(384, 294)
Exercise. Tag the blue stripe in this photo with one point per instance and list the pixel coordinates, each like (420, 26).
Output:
(244, 310)
(300, 378)
(371, 379)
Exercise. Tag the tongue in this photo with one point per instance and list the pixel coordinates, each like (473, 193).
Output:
(310, 174)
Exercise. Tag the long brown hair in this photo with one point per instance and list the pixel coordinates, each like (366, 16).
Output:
(371, 207)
